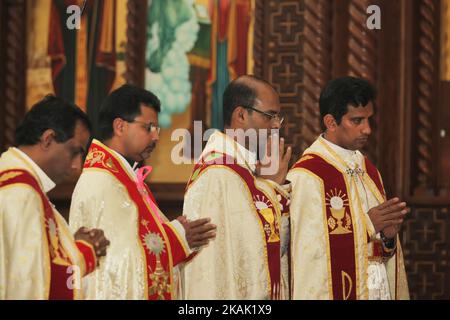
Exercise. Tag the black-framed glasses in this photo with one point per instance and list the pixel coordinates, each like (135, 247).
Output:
(150, 127)
(271, 116)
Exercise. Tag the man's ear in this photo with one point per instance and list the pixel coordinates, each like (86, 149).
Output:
(118, 126)
(330, 122)
(239, 116)
(47, 138)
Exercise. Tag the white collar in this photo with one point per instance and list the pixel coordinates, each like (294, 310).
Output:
(46, 183)
(351, 157)
(246, 154)
(220, 142)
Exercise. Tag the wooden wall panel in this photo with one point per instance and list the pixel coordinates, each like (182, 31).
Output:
(292, 51)
(443, 125)
(391, 101)
(426, 245)
(426, 94)
(13, 68)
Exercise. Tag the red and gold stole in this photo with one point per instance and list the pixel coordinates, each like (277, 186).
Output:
(266, 210)
(160, 244)
(58, 288)
(339, 223)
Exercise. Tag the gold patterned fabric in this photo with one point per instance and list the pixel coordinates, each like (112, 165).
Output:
(100, 200)
(24, 249)
(310, 254)
(234, 265)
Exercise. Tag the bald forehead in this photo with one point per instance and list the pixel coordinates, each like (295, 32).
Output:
(254, 83)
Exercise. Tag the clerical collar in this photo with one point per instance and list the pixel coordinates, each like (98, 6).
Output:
(340, 150)
(46, 182)
(248, 156)
(352, 159)
(221, 142)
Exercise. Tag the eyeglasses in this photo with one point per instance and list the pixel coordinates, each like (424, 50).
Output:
(150, 127)
(272, 117)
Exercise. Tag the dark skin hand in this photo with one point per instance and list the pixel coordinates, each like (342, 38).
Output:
(282, 162)
(388, 217)
(96, 238)
(391, 231)
(198, 232)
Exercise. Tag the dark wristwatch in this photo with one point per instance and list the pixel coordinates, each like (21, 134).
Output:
(388, 243)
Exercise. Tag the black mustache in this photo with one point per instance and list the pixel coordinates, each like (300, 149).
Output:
(151, 146)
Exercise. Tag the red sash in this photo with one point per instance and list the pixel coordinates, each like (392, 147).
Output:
(266, 210)
(159, 242)
(340, 219)
(59, 259)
